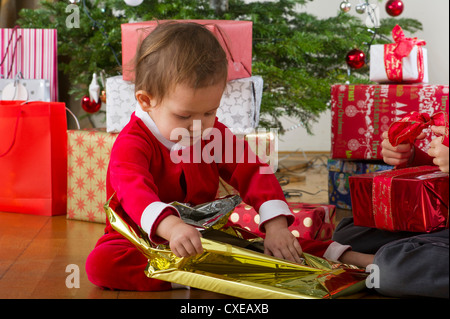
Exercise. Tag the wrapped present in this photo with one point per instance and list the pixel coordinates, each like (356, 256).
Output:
(239, 107)
(339, 172)
(31, 52)
(404, 61)
(25, 89)
(234, 36)
(312, 221)
(412, 199)
(120, 103)
(241, 272)
(88, 159)
(361, 113)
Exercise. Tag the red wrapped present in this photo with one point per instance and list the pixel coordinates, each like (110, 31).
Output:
(312, 221)
(404, 61)
(361, 113)
(234, 36)
(412, 199)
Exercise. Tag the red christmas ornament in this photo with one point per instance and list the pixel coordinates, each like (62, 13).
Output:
(90, 106)
(355, 59)
(394, 7)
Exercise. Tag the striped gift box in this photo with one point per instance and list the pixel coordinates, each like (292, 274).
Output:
(33, 52)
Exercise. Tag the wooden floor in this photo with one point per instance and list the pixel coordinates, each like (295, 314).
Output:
(35, 251)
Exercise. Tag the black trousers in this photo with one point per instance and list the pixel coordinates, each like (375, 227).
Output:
(410, 264)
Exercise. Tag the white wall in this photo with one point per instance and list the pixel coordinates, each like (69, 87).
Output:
(434, 16)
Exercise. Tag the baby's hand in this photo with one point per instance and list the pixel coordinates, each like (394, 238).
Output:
(439, 151)
(184, 240)
(280, 242)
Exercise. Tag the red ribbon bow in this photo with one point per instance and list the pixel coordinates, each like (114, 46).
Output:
(407, 129)
(404, 45)
(395, 52)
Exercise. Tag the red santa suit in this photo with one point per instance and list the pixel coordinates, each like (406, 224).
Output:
(147, 172)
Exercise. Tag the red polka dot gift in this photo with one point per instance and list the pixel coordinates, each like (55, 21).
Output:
(312, 221)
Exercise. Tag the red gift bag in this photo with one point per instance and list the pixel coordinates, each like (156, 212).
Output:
(33, 157)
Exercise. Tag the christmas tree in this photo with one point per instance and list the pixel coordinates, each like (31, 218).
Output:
(298, 55)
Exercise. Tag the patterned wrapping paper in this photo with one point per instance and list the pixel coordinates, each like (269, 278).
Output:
(239, 108)
(120, 103)
(88, 158)
(361, 113)
(339, 172)
(240, 105)
(312, 221)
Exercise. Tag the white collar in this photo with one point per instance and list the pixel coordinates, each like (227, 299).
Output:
(148, 121)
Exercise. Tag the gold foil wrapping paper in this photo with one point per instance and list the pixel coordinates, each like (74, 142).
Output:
(243, 273)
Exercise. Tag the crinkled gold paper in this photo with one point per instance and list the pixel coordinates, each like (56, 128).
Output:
(243, 273)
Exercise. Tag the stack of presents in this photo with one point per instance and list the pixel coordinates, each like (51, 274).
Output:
(413, 199)
(48, 170)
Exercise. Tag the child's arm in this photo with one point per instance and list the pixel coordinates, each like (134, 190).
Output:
(355, 258)
(184, 240)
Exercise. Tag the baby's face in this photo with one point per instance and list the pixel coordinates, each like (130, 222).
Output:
(185, 114)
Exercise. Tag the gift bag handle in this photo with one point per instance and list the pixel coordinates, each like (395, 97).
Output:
(17, 125)
(14, 135)
(14, 52)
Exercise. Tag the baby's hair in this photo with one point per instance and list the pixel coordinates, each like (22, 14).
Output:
(179, 53)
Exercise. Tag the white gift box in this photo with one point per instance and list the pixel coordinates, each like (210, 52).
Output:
(239, 108)
(409, 65)
(25, 89)
(240, 105)
(120, 103)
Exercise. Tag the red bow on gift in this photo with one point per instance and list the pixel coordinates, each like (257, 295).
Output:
(404, 45)
(395, 52)
(407, 129)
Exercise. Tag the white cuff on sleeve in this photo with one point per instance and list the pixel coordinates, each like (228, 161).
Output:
(335, 251)
(273, 208)
(151, 214)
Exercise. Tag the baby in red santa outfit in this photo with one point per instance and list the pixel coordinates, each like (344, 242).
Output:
(180, 77)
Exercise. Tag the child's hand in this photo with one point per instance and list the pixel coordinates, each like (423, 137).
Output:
(280, 242)
(439, 151)
(184, 240)
(397, 155)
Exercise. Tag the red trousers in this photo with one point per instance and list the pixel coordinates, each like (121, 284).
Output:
(117, 264)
